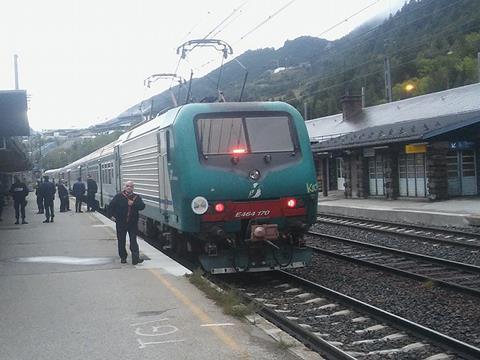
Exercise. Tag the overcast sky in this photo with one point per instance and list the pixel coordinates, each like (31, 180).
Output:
(84, 61)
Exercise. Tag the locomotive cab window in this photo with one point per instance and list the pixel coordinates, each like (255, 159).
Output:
(248, 134)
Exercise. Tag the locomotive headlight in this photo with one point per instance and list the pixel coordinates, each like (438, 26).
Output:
(254, 174)
(199, 205)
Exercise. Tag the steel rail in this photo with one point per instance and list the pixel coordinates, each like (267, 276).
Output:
(408, 226)
(443, 341)
(410, 274)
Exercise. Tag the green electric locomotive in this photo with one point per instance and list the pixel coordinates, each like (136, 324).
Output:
(232, 184)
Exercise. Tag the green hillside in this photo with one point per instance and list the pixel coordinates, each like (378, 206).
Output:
(432, 45)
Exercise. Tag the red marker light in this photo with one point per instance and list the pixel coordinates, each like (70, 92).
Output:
(239, 151)
(291, 203)
(219, 207)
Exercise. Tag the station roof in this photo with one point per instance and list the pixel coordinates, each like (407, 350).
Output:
(13, 113)
(13, 157)
(413, 130)
(13, 123)
(444, 103)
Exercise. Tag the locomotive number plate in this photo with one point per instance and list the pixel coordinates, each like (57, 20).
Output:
(249, 214)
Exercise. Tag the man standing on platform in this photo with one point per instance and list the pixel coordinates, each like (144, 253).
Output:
(91, 191)
(63, 195)
(47, 189)
(19, 192)
(124, 208)
(79, 192)
(39, 198)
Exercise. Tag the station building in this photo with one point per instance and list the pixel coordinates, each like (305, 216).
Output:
(425, 147)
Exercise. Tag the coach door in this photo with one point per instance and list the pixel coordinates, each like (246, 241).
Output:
(117, 170)
(165, 193)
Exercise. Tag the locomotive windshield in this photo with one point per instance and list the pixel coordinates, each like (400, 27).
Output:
(252, 134)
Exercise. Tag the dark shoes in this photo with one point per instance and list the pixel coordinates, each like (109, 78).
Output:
(123, 261)
(16, 222)
(135, 262)
(24, 222)
(46, 221)
(51, 220)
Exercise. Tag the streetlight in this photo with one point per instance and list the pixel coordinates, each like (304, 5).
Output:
(409, 87)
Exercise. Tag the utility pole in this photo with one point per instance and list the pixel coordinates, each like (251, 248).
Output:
(388, 79)
(15, 66)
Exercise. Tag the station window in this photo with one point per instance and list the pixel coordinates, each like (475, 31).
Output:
(412, 175)
(376, 177)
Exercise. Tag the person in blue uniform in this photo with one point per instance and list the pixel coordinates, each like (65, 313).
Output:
(124, 209)
(19, 192)
(92, 189)
(47, 189)
(78, 191)
(63, 195)
(39, 198)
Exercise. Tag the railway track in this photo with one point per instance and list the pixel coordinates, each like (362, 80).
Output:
(456, 275)
(447, 236)
(341, 327)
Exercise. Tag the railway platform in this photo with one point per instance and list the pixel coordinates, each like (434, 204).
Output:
(460, 212)
(65, 295)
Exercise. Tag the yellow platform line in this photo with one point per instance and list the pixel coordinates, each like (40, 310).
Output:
(199, 313)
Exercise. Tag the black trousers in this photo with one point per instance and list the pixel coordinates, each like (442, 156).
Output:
(48, 204)
(78, 203)
(40, 204)
(90, 201)
(19, 208)
(122, 240)
(64, 206)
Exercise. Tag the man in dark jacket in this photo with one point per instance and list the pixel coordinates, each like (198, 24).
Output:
(19, 192)
(39, 198)
(79, 192)
(47, 189)
(124, 207)
(92, 189)
(63, 195)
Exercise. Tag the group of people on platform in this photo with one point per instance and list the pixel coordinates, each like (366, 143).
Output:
(45, 193)
(123, 208)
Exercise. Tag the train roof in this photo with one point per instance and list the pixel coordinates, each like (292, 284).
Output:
(171, 115)
(49, 172)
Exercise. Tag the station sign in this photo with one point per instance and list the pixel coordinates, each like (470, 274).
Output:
(415, 148)
(461, 145)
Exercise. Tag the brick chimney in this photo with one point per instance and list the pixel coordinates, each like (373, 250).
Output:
(352, 107)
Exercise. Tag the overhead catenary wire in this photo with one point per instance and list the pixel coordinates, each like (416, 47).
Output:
(348, 18)
(267, 19)
(349, 47)
(445, 31)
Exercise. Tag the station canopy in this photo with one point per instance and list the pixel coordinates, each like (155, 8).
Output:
(13, 113)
